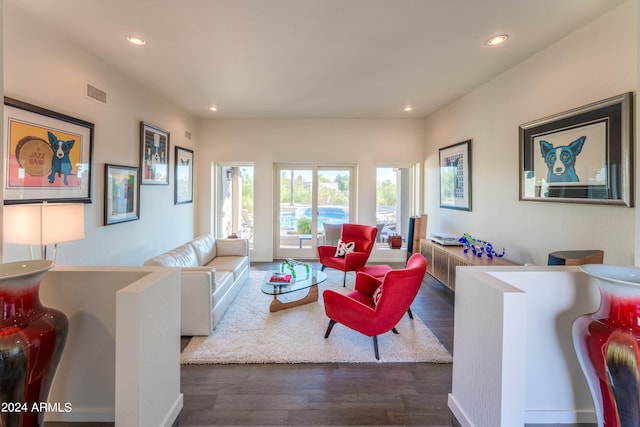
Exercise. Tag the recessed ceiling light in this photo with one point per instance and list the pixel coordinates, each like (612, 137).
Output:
(213, 108)
(136, 40)
(494, 41)
(408, 108)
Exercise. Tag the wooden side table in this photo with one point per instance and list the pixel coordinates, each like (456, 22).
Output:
(594, 256)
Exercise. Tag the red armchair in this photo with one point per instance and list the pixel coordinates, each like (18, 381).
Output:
(364, 238)
(371, 311)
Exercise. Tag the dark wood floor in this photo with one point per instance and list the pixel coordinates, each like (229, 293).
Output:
(328, 394)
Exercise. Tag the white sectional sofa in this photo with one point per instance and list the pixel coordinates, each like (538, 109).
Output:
(212, 273)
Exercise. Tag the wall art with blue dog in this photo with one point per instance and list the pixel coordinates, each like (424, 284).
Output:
(42, 158)
(571, 158)
(155, 154)
(583, 155)
(47, 155)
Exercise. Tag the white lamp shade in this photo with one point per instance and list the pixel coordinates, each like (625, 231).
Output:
(43, 224)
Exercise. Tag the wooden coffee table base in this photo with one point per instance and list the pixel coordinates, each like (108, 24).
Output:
(311, 296)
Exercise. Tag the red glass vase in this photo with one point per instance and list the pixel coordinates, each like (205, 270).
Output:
(31, 341)
(607, 345)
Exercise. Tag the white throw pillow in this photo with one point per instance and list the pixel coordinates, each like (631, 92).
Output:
(344, 248)
(376, 295)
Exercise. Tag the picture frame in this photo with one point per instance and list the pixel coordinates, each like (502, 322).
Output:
(582, 155)
(154, 154)
(455, 176)
(183, 186)
(48, 155)
(121, 194)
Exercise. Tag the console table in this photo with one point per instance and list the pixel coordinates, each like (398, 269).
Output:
(443, 260)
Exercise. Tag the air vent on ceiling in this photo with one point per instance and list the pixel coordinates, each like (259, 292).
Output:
(187, 134)
(96, 94)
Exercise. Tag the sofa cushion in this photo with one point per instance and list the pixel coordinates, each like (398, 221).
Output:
(233, 264)
(182, 256)
(224, 280)
(205, 248)
(227, 247)
(185, 256)
(163, 260)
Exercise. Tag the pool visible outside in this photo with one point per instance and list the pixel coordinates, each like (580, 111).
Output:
(289, 215)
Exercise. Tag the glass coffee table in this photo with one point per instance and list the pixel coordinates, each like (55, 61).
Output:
(304, 280)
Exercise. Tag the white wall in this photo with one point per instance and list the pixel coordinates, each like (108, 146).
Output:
(43, 68)
(594, 63)
(366, 143)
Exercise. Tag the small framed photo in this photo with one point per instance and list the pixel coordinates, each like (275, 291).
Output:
(580, 156)
(183, 176)
(455, 176)
(121, 194)
(154, 145)
(48, 155)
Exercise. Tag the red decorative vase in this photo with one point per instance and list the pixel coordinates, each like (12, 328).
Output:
(607, 345)
(31, 341)
(395, 242)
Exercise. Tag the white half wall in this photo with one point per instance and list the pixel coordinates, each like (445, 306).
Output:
(594, 63)
(489, 353)
(514, 361)
(121, 361)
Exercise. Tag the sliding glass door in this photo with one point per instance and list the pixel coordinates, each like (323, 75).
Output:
(312, 202)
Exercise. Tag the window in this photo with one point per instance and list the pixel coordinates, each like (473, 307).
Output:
(396, 201)
(234, 204)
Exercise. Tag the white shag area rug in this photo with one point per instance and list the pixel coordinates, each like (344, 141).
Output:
(249, 333)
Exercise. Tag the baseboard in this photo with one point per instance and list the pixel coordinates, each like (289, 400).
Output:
(559, 417)
(530, 417)
(173, 413)
(87, 415)
(459, 413)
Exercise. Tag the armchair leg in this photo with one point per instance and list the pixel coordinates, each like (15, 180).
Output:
(344, 281)
(395, 331)
(410, 313)
(323, 267)
(329, 328)
(375, 347)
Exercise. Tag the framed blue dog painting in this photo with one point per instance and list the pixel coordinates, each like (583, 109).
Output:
(48, 155)
(582, 155)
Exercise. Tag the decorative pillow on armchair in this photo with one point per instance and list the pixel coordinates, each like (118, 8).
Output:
(344, 248)
(376, 296)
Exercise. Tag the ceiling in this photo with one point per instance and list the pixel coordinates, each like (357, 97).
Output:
(272, 59)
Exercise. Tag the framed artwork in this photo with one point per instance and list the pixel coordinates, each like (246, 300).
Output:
(154, 146)
(581, 156)
(455, 176)
(121, 194)
(48, 155)
(183, 176)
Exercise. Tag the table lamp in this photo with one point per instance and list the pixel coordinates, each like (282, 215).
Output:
(43, 224)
